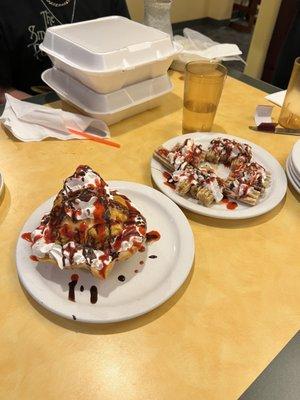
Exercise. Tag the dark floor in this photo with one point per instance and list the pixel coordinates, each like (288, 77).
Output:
(224, 34)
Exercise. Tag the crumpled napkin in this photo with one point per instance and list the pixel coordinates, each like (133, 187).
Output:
(32, 122)
(197, 46)
(277, 98)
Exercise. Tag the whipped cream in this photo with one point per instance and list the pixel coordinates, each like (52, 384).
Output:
(215, 189)
(86, 209)
(61, 254)
(127, 244)
(97, 262)
(40, 248)
(73, 184)
(56, 253)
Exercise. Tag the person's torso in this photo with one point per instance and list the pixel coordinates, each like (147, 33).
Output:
(24, 25)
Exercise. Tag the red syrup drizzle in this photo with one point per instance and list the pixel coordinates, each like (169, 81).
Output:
(152, 236)
(163, 152)
(230, 205)
(72, 284)
(26, 236)
(142, 249)
(66, 231)
(168, 176)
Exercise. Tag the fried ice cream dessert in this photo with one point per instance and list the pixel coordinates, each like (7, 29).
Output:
(89, 226)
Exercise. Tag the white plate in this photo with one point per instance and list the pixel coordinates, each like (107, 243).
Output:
(295, 157)
(291, 176)
(272, 197)
(157, 280)
(293, 171)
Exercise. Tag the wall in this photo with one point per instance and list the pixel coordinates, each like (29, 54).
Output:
(219, 9)
(136, 9)
(185, 10)
(261, 37)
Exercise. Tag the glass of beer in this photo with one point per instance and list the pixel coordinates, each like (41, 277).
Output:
(203, 85)
(290, 111)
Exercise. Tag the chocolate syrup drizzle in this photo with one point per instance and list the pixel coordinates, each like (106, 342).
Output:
(94, 294)
(72, 285)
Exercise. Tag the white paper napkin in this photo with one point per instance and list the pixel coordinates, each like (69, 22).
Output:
(220, 51)
(277, 98)
(32, 122)
(197, 46)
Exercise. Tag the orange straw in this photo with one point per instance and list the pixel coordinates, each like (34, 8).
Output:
(98, 139)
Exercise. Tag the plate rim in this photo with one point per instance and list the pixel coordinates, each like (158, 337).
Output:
(1, 183)
(206, 211)
(293, 171)
(290, 176)
(293, 158)
(174, 285)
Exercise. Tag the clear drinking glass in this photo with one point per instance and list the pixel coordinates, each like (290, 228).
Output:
(290, 112)
(203, 86)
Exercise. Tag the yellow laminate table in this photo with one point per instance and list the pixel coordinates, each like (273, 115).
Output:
(238, 308)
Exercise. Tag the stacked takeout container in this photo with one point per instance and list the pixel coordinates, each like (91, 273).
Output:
(292, 166)
(110, 68)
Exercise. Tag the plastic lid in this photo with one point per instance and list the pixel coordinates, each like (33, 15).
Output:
(109, 34)
(107, 43)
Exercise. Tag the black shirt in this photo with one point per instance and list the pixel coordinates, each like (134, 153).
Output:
(22, 28)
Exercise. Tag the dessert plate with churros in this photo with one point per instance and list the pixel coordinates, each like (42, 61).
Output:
(218, 175)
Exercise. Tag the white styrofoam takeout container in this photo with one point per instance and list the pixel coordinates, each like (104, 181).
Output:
(109, 53)
(111, 107)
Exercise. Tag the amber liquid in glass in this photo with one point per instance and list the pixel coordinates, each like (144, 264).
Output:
(290, 121)
(198, 116)
(290, 111)
(202, 91)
